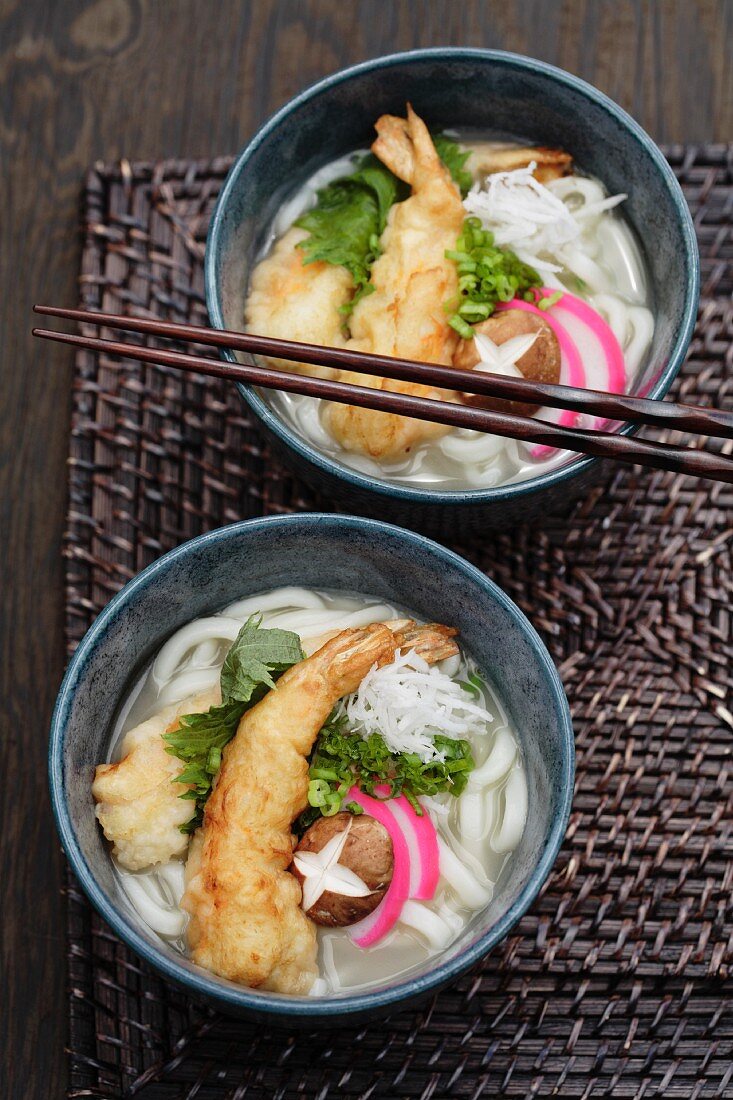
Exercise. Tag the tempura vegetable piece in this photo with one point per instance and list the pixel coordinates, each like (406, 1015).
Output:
(138, 803)
(412, 279)
(247, 923)
(292, 300)
(496, 156)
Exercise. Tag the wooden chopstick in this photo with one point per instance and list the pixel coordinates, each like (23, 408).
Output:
(596, 403)
(600, 444)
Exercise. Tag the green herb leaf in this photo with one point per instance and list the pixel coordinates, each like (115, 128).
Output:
(343, 759)
(199, 741)
(254, 655)
(248, 673)
(348, 219)
(197, 734)
(454, 158)
(387, 189)
(487, 275)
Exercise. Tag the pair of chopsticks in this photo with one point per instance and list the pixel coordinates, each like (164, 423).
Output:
(596, 403)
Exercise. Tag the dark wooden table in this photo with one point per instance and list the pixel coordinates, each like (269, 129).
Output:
(109, 78)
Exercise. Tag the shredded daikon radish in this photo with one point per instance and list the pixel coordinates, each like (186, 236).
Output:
(528, 217)
(409, 703)
(523, 215)
(593, 209)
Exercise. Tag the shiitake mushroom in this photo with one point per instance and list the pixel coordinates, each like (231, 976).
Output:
(367, 852)
(541, 363)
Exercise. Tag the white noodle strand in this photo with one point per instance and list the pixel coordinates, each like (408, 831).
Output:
(162, 918)
(472, 893)
(220, 627)
(509, 831)
(498, 762)
(188, 683)
(280, 599)
(427, 922)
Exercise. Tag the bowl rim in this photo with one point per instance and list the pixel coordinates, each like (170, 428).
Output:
(198, 982)
(381, 486)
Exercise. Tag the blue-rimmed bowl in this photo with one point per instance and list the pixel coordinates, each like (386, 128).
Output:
(320, 551)
(475, 89)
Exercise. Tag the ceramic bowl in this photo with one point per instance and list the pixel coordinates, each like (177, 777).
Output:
(476, 89)
(322, 551)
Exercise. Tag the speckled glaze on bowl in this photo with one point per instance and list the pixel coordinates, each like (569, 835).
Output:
(323, 551)
(486, 90)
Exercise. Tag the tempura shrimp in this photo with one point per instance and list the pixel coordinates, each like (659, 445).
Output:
(405, 315)
(246, 922)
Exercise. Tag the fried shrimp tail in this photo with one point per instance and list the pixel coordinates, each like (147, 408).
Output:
(434, 642)
(246, 922)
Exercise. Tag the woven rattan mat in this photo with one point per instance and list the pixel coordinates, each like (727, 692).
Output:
(617, 982)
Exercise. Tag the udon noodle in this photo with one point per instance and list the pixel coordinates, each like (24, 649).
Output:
(476, 832)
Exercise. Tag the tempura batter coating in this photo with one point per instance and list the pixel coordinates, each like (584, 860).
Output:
(138, 805)
(292, 300)
(488, 157)
(246, 921)
(405, 316)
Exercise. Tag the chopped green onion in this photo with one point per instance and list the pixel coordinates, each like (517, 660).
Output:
(323, 773)
(464, 330)
(318, 791)
(487, 275)
(550, 300)
(474, 311)
(332, 804)
(367, 763)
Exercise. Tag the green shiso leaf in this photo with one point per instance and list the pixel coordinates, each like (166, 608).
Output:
(255, 660)
(347, 221)
(254, 655)
(454, 158)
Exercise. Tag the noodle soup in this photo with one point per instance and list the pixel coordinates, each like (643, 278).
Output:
(531, 209)
(451, 846)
